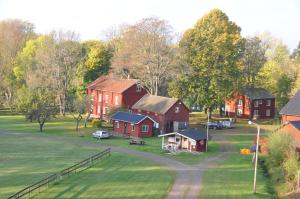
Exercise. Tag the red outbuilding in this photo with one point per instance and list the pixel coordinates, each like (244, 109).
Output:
(251, 103)
(170, 113)
(108, 93)
(133, 125)
(290, 117)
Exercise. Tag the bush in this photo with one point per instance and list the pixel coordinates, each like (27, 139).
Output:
(291, 167)
(97, 123)
(280, 145)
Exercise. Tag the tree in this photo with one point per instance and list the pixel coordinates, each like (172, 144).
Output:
(253, 59)
(78, 108)
(13, 36)
(213, 48)
(145, 52)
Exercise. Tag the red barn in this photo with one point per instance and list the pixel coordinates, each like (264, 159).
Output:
(170, 113)
(290, 117)
(133, 125)
(251, 103)
(108, 92)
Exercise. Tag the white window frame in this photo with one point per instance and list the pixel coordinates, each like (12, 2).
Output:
(116, 100)
(99, 109)
(268, 112)
(100, 97)
(240, 103)
(118, 124)
(255, 103)
(132, 127)
(145, 128)
(269, 102)
(260, 101)
(255, 113)
(239, 112)
(105, 110)
(138, 88)
(177, 109)
(106, 98)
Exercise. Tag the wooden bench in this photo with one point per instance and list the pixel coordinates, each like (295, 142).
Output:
(137, 142)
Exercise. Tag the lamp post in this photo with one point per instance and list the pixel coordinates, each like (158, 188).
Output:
(256, 155)
(207, 130)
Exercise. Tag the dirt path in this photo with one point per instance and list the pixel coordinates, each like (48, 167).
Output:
(188, 182)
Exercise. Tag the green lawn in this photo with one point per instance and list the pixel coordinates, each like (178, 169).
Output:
(65, 126)
(233, 178)
(27, 158)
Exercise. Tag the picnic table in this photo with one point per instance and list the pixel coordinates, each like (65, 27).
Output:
(137, 142)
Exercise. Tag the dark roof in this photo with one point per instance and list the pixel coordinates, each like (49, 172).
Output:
(193, 134)
(296, 124)
(292, 107)
(129, 117)
(155, 104)
(258, 93)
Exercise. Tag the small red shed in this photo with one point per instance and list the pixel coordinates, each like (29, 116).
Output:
(133, 125)
(188, 140)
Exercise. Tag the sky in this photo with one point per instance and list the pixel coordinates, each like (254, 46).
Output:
(92, 18)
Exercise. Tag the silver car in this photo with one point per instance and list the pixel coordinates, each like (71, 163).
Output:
(101, 134)
(227, 124)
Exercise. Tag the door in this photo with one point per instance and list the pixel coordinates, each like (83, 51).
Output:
(125, 128)
(175, 126)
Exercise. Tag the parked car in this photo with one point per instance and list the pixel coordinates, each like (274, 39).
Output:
(101, 134)
(228, 124)
(213, 125)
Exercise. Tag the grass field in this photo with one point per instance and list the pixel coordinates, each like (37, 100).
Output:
(233, 178)
(65, 126)
(26, 159)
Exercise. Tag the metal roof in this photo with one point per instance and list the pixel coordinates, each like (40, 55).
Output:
(155, 104)
(189, 133)
(258, 93)
(292, 107)
(129, 117)
(296, 124)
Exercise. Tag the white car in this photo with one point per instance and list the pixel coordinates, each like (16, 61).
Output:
(227, 124)
(101, 134)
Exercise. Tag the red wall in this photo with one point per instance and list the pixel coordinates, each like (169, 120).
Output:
(125, 99)
(131, 96)
(137, 130)
(290, 129)
(285, 118)
(248, 112)
(170, 115)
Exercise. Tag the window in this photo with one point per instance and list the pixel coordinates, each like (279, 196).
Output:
(145, 128)
(106, 99)
(240, 102)
(138, 88)
(116, 100)
(268, 112)
(255, 103)
(177, 109)
(132, 127)
(260, 101)
(118, 124)
(255, 113)
(239, 112)
(268, 102)
(105, 110)
(100, 97)
(99, 109)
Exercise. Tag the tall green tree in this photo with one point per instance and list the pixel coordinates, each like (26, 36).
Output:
(213, 48)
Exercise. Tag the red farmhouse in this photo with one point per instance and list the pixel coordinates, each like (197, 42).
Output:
(170, 113)
(133, 125)
(108, 92)
(290, 116)
(251, 103)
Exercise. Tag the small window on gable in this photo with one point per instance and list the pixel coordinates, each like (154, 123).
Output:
(138, 87)
(177, 109)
